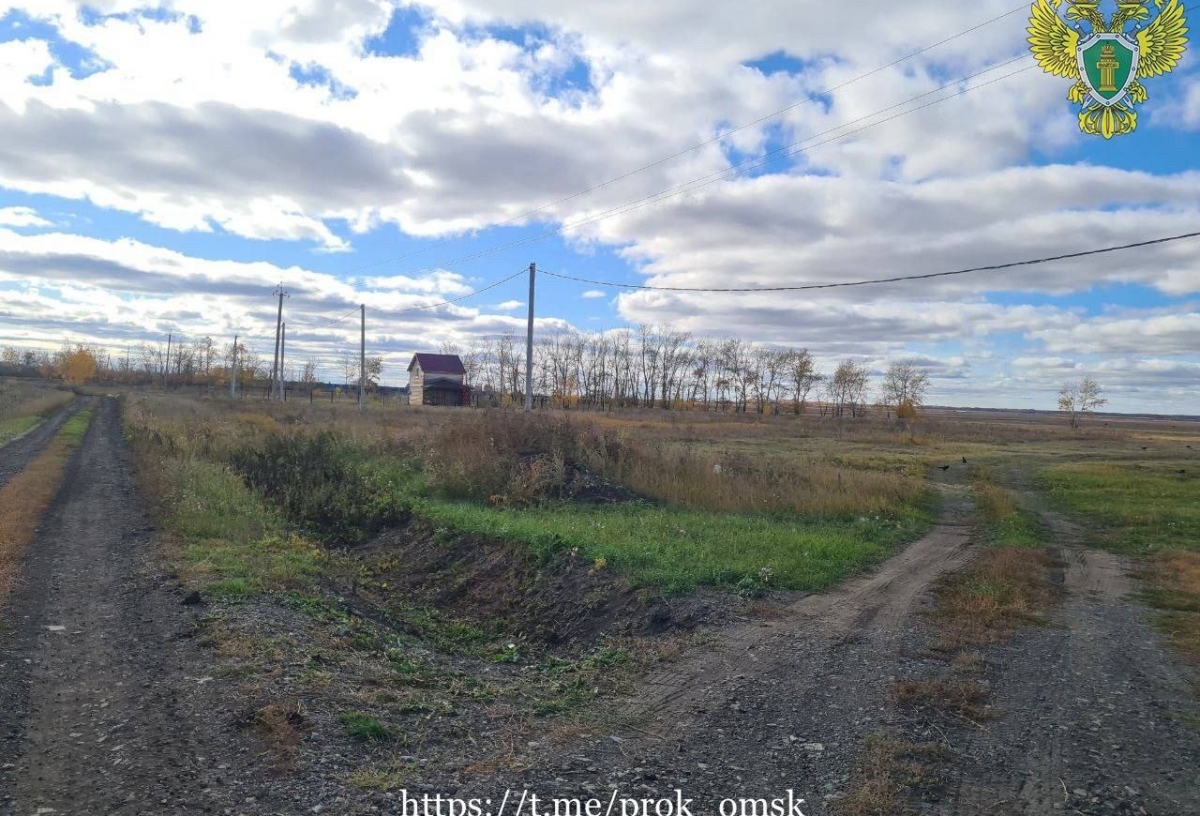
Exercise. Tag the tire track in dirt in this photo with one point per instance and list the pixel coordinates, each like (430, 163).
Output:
(1094, 709)
(20, 452)
(108, 707)
(775, 704)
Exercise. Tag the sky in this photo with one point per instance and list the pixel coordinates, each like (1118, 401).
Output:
(164, 167)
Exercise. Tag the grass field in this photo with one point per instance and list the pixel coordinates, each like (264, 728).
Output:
(24, 404)
(1149, 509)
(801, 518)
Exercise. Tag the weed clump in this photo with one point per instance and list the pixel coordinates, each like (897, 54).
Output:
(329, 484)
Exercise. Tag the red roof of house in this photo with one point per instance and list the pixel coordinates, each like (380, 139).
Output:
(438, 363)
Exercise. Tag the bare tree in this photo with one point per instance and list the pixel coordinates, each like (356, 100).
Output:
(850, 385)
(308, 375)
(802, 377)
(349, 365)
(904, 384)
(1080, 400)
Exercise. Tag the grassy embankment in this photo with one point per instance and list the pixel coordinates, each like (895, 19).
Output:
(1150, 511)
(28, 494)
(24, 405)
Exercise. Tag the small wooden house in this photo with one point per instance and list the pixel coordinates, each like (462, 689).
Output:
(437, 379)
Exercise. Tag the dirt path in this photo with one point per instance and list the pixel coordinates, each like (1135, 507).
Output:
(776, 704)
(18, 453)
(1098, 716)
(107, 705)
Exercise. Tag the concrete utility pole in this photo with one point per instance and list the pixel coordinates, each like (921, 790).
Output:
(529, 343)
(282, 293)
(282, 363)
(167, 363)
(362, 360)
(233, 372)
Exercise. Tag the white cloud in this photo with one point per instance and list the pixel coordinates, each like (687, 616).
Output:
(203, 126)
(21, 217)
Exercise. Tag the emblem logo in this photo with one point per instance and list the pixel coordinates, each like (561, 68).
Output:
(1107, 58)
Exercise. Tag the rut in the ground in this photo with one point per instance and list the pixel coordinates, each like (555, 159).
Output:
(108, 708)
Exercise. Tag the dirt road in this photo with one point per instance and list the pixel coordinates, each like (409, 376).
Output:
(1098, 716)
(108, 708)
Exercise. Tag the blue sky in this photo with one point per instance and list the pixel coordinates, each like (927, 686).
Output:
(364, 151)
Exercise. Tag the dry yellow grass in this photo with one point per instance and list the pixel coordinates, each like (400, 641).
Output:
(1006, 588)
(27, 496)
(887, 770)
(1176, 574)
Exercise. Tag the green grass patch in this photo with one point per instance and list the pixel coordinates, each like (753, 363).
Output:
(1142, 510)
(10, 429)
(679, 549)
(72, 432)
(232, 544)
(364, 727)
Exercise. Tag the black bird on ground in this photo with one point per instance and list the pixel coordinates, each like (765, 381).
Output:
(1182, 472)
(964, 460)
(943, 468)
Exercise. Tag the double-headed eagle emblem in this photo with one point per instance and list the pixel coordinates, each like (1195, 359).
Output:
(1107, 59)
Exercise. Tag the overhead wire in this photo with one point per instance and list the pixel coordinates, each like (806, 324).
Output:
(700, 145)
(897, 279)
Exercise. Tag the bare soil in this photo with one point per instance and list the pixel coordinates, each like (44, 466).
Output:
(565, 603)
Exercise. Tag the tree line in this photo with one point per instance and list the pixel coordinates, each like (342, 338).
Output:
(195, 362)
(643, 366)
(655, 366)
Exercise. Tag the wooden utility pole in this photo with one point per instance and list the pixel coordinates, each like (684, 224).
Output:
(233, 372)
(362, 360)
(529, 343)
(282, 363)
(282, 293)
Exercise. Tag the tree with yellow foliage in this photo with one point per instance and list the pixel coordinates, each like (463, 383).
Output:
(78, 366)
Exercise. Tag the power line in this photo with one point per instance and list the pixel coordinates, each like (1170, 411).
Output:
(523, 271)
(459, 299)
(899, 279)
(751, 163)
(713, 140)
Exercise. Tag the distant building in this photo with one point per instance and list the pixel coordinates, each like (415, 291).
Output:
(437, 379)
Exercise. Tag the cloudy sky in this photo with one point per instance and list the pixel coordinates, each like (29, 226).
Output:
(162, 168)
